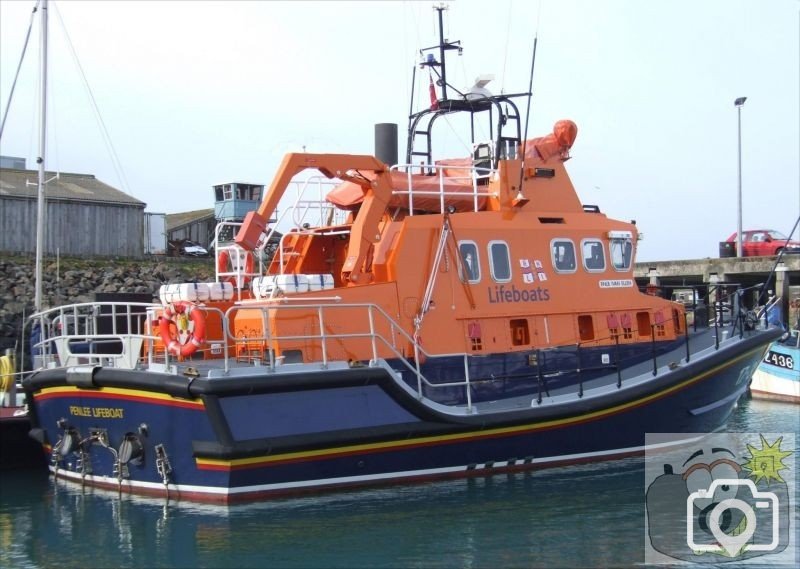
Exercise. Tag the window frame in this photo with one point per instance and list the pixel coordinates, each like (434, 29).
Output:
(463, 264)
(599, 242)
(490, 254)
(556, 268)
(623, 241)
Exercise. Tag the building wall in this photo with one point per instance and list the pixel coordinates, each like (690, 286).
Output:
(200, 231)
(73, 228)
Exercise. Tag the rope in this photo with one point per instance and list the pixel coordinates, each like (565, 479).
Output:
(115, 161)
(19, 66)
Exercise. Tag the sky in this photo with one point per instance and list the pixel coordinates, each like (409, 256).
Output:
(197, 93)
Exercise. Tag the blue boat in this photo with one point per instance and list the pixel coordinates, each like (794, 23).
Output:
(778, 374)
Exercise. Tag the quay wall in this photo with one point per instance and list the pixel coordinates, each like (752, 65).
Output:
(71, 280)
(750, 273)
(724, 269)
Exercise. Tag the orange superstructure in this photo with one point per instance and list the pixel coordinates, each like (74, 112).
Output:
(522, 267)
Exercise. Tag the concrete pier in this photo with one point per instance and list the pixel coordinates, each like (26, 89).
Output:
(745, 271)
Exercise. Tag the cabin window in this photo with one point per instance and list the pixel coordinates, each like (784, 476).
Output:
(594, 259)
(621, 254)
(248, 192)
(227, 191)
(500, 261)
(520, 335)
(563, 251)
(469, 269)
(585, 327)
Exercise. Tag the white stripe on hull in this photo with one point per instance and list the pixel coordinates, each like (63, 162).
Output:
(212, 492)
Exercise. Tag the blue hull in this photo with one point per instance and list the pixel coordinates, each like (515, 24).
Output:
(243, 438)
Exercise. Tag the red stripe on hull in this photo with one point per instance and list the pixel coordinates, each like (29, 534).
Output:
(119, 397)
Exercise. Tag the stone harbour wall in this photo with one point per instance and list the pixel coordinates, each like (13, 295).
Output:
(76, 280)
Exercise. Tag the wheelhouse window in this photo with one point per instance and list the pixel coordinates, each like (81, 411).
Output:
(621, 253)
(469, 262)
(594, 259)
(499, 261)
(563, 252)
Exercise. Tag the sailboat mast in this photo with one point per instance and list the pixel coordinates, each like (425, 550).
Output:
(40, 161)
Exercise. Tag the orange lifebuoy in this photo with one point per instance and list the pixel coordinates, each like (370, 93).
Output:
(224, 266)
(185, 342)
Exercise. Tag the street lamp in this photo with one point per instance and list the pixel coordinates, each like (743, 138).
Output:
(738, 103)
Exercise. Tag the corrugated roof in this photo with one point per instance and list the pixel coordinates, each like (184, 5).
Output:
(175, 220)
(73, 187)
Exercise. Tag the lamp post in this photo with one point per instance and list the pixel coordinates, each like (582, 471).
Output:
(738, 103)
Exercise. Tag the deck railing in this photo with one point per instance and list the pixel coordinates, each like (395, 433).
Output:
(389, 342)
(443, 174)
(117, 334)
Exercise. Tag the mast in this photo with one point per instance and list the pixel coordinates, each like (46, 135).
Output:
(442, 47)
(40, 162)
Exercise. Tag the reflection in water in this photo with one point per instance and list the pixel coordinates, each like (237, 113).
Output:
(590, 515)
(505, 520)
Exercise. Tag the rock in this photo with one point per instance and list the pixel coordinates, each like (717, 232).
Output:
(76, 281)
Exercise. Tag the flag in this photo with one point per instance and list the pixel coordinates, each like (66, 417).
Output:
(432, 89)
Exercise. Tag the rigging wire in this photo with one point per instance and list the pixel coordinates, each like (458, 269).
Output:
(530, 94)
(115, 161)
(19, 66)
(505, 54)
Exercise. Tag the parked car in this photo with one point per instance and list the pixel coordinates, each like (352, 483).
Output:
(765, 243)
(192, 249)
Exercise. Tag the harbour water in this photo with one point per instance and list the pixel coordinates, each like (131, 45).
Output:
(580, 516)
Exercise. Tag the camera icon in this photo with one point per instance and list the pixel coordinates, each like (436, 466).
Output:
(732, 543)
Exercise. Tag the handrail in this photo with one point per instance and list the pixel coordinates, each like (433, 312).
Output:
(240, 265)
(305, 205)
(372, 334)
(63, 327)
(472, 174)
(374, 312)
(130, 324)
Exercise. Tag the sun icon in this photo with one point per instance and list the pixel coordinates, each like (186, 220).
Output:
(766, 462)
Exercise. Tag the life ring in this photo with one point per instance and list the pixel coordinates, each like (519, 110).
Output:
(185, 342)
(224, 265)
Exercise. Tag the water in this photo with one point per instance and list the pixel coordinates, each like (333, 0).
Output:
(580, 516)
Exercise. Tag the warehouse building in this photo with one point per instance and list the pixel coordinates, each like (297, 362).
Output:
(83, 216)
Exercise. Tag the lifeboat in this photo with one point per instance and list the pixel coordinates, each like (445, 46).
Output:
(464, 316)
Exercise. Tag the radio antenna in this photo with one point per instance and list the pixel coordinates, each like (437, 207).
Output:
(528, 111)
